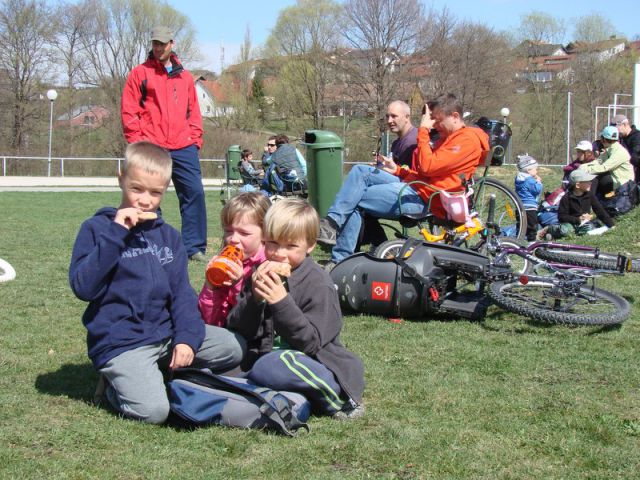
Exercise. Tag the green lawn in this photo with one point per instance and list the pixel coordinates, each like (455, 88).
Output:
(504, 398)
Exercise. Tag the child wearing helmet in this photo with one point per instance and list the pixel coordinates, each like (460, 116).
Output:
(615, 161)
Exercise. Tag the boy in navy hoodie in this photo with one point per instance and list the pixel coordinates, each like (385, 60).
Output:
(143, 313)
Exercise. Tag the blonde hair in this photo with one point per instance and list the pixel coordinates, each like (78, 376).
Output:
(148, 157)
(252, 204)
(292, 219)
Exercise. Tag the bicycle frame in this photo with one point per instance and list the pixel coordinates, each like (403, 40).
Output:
(527, 253)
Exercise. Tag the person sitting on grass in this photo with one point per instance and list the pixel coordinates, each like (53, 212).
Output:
(528, 187)
(292, 327)
(575, 210)
(584, 155)
(241, 218)
(142, 316)
(617, 191)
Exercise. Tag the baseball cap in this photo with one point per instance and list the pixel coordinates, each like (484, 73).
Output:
(610, 133)
(526, 162)
(584, 146)
(580, 175)
(618, 119)
(161, 34)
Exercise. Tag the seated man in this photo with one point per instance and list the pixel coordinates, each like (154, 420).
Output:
(399, 122)
(375, 191)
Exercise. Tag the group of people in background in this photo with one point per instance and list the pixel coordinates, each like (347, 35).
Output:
(600, 184)
(284, 169)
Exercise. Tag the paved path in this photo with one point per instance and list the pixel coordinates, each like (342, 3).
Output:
(75, 184)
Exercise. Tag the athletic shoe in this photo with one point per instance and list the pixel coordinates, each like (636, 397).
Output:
(353, 413)
(198, 257)
(328, 232)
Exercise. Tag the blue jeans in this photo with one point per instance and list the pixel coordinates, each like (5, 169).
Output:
(369, 190)
(187, 180)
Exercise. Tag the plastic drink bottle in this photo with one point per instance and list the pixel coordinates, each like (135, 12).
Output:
(219, 268)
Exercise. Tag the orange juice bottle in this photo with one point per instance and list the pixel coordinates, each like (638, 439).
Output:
(219, 268)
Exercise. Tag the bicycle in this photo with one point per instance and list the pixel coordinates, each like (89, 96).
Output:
(553, 292)
(508, 208)
(456, 280)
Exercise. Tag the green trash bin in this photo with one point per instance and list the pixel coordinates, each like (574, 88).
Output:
(232, 160)
(324, 168)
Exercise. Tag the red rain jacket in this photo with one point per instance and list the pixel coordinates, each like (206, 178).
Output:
(161, 107)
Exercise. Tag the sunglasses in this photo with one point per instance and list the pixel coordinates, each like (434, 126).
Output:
(271, 144)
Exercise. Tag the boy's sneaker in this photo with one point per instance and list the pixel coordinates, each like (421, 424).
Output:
(198, 257)
(100, 395)
(328, 231)
(352, 413)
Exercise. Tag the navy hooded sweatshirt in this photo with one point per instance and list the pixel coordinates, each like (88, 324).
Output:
(137, 285)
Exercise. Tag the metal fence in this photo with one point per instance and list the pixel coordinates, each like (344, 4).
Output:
(217, 164)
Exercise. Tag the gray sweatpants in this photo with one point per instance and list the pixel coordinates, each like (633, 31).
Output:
(136, 385)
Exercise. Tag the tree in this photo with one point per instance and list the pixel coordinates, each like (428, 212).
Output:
(73, 20)
(382, 31)
(304, 37)
(593, 28)
(116, 38)
(258, 97)
(540, 27)
(26, 29)
(469, 60)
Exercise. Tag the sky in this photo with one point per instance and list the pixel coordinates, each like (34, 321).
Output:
(221, 24)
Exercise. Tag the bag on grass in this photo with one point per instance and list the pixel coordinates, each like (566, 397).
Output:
(201, 398)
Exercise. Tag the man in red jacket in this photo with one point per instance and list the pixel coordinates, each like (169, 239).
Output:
(160, 105)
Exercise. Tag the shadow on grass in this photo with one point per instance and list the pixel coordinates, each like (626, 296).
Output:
(75, 381)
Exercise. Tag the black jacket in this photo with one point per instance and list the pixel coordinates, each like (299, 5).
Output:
(632, 143)
(572, 206)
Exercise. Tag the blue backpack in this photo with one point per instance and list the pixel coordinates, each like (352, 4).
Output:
(200, 398)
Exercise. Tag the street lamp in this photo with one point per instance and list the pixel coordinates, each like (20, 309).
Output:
(504, 111)
(51, 95)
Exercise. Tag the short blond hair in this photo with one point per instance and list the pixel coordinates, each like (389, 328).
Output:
(292, 219)
(252, 204)
(148, 157)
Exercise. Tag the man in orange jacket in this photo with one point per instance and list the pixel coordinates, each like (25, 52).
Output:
(160, 105)
(375, 190)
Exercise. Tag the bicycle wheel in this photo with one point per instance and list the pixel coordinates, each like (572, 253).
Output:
(389, 249)
(509, 211)
(582, 258)
(542, 300)
(6, 271)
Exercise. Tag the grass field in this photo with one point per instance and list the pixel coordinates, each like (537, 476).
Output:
(504, 398)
